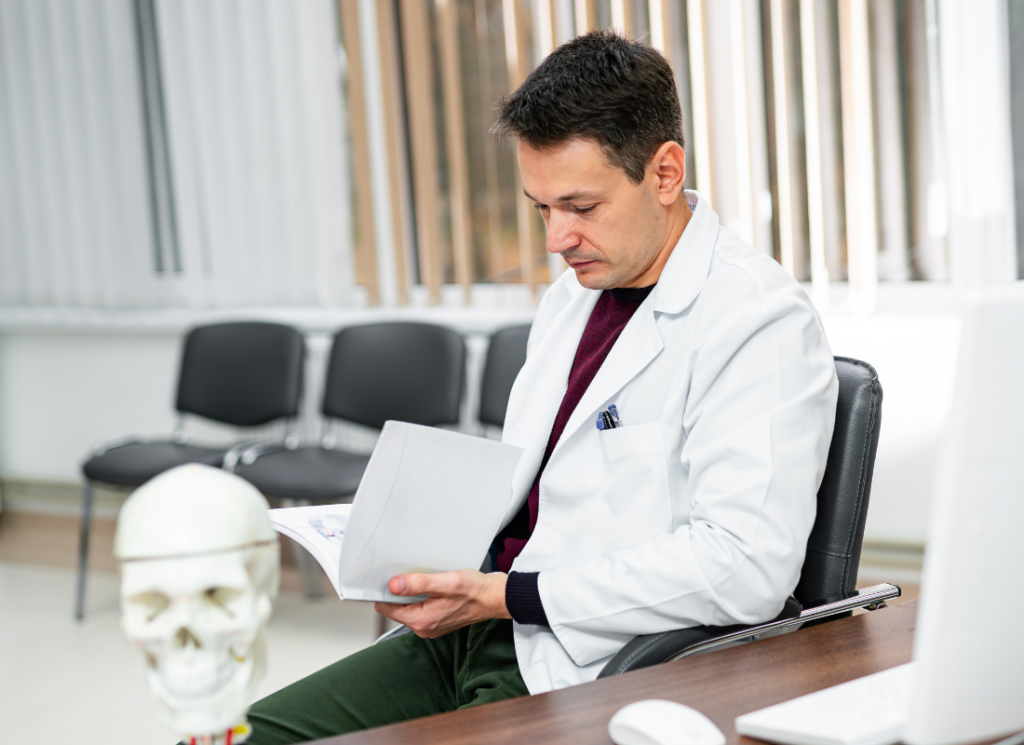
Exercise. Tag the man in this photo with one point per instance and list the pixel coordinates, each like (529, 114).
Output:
(696, 510)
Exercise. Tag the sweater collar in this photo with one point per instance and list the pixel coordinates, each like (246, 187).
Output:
(631, 294)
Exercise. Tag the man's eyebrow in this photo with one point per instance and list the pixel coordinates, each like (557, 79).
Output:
(567, 197)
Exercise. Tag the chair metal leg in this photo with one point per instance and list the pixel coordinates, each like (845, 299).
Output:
(83, 549)
(309, 570)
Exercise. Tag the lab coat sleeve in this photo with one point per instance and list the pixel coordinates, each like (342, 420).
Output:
(759, 410)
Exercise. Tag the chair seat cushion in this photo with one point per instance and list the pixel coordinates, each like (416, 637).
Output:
(311, 473)
(138, 462)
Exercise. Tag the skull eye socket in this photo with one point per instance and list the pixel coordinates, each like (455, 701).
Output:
(153, 603)
(223, 597)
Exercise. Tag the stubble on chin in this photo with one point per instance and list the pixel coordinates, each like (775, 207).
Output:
(608, 278)
(595, 280)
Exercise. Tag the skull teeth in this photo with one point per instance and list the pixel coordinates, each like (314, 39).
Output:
(197, 685)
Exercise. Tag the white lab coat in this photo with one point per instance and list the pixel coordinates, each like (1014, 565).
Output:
(698, 509)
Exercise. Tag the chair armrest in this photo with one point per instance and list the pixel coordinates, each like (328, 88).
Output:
(109, 443)
(655, 649)
(247, 452)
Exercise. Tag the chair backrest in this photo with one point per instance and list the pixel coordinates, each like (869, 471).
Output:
(245, 374)
(505, 357)
(409, 372)
(833, 550)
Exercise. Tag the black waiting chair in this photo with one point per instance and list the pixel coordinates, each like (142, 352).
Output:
(506, 354)
(827, 587)
(242, 374)
(409, 372)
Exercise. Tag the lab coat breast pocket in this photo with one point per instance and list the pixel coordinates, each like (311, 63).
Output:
(636, 475)
(630, 442)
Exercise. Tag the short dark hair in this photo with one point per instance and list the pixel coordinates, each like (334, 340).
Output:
(600, 86)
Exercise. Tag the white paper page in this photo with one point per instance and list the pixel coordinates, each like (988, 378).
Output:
(372, 494)
(320, 529)
(431, 501)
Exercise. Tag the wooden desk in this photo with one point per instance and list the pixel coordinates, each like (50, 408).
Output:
(721, 684)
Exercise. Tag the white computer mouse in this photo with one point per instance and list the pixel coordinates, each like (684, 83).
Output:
(659, 722)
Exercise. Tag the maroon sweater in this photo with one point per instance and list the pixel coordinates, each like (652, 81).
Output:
(611, 314)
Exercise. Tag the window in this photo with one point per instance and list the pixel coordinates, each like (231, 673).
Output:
(799, 116)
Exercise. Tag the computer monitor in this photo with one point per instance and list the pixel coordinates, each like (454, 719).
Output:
(969, 645)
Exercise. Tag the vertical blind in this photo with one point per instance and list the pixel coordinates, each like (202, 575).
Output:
(74, 213)
(225, 118)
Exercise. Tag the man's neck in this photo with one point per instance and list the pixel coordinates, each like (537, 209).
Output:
(680, 215)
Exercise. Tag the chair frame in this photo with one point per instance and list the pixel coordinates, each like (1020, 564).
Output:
(653, 649)
(644, 651)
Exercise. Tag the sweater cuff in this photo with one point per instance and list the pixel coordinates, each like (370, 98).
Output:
(522, 598)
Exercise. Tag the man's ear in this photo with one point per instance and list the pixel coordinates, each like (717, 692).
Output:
(669, 168)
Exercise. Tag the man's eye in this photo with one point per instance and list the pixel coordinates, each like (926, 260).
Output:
(586, 210)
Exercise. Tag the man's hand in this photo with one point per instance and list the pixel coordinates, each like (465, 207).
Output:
(456, 599)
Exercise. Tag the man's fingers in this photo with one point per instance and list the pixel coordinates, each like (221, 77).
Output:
(422, 584)
(422, 623)
(443, 583)
(409, 584)
(407, 615)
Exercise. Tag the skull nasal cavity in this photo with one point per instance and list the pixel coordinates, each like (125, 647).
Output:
(183, 638)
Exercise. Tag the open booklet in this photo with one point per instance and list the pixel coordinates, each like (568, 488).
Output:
(431, 500)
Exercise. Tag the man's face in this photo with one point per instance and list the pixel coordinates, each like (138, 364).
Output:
(608, 229)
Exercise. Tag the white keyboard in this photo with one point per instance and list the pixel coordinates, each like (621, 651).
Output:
(867, 711)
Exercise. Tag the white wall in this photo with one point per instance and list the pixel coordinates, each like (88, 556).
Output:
(916, 363)
(61, 390)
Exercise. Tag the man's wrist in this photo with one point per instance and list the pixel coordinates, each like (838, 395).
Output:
(496, 602)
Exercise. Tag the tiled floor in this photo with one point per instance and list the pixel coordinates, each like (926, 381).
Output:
(66, 682)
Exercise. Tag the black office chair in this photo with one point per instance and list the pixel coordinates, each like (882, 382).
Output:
(827, 587)
(506, 354)
(409, 372)
(242, 374)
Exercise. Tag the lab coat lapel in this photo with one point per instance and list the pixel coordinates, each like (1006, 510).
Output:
(639, 343)
(540, 386)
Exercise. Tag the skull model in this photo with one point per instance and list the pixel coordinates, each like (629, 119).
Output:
(199, 570)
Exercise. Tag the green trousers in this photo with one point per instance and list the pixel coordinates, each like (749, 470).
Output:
(396, 680)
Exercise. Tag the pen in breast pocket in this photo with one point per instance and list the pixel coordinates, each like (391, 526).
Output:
(608, 419)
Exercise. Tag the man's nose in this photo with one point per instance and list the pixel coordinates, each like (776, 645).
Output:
(561, 235)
